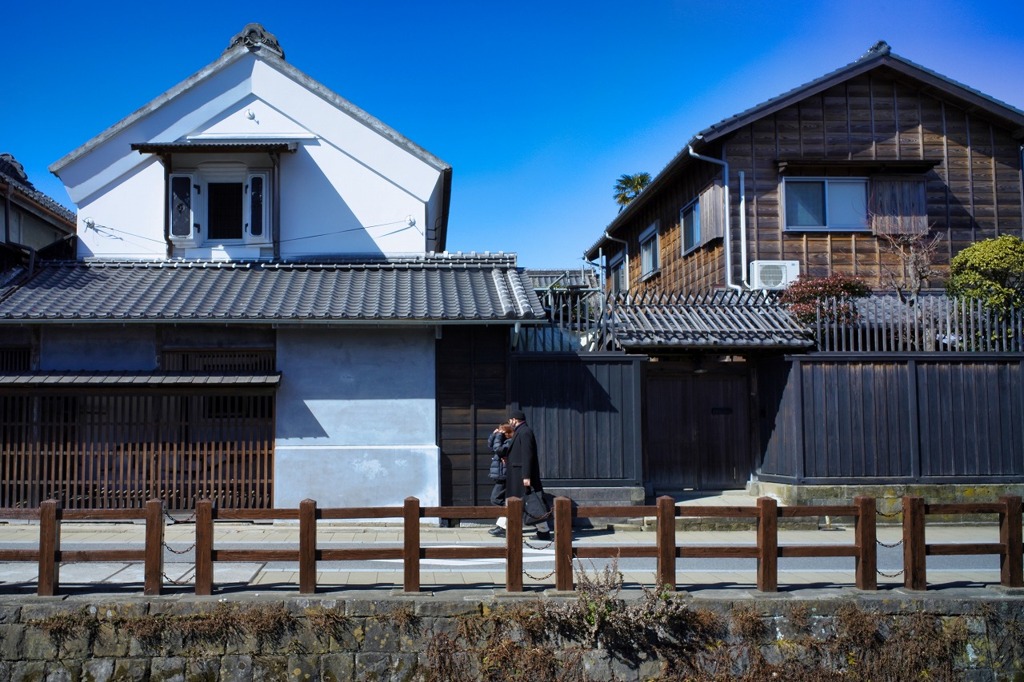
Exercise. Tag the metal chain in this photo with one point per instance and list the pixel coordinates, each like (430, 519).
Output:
(895, 544)
(183, 551)
(169, 579)
(888, 515)
(170, 518)
(527, 573)
(538, 578)
(897, 574)
(547, 546)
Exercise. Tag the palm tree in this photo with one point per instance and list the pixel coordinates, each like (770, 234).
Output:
(629, 186)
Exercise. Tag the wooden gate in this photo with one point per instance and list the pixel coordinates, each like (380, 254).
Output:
(114, 450)
(696, 429)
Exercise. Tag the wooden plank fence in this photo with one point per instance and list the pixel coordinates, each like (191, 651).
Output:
(666, 549)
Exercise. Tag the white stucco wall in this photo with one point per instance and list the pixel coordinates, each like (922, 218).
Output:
(356, 421)
(126, 220)
(349, 189)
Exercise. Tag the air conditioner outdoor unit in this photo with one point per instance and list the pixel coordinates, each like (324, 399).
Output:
(773, 274)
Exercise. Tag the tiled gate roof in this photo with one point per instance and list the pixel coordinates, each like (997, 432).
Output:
(717, 319)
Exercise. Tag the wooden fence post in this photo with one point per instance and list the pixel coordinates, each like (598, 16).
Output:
(411, 537)
(49, 547)
(307, 547)
(1011, 562)
(204, 547)
(154, 562)
(767, 545)
(563, 544)
(514, 545)
(914, 567)
(866, 538)
(666, 530)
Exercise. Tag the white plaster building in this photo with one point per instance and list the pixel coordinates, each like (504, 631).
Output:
(257, 307)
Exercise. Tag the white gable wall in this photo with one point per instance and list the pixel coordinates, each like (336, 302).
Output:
(349, 188)
(101, 169)
(128, 221)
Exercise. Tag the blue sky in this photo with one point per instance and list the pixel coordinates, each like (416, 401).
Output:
(538, 106)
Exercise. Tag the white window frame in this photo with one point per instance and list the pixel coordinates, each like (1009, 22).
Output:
(650, 251)
(618, 273)
(198, 220)
(827, 182)
(691, 208)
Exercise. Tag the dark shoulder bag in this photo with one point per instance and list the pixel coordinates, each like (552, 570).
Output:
(535, 507)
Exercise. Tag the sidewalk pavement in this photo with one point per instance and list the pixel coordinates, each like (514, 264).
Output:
(735, 577)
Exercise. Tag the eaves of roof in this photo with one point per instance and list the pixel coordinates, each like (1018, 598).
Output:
(39, 203)
(878, 56)
(440, 289)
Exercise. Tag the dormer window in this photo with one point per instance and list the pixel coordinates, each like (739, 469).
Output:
(220, 192)
(219, 204)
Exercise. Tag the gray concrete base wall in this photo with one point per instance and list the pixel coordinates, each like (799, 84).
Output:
(889, 498)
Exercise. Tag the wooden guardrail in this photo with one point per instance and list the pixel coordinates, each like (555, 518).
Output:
(308, 554)
(50, 555)
(767, 550)
(916, 549)
(665, 550)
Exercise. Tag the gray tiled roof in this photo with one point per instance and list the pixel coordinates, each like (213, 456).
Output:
(572, 278)
(432, 288)
(718, 319)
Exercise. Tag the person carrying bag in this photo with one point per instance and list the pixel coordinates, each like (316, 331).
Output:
(523, 476)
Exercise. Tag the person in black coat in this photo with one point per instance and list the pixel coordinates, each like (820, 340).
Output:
(524, 465)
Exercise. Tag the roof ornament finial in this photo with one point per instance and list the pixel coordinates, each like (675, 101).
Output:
(255, 37)
(879, 48)
(12, 167)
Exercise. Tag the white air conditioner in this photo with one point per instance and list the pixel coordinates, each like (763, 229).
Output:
(773, 274)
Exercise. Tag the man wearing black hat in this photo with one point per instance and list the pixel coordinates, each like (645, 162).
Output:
(523, 465)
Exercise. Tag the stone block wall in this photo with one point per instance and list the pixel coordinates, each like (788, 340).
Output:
(641, 636)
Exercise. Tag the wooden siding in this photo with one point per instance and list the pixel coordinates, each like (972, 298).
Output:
(107, 451)
(585, 411)
(974, 192)
(899, 419)
(472, 366)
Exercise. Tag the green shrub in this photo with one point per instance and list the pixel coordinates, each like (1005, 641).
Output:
(992, 271)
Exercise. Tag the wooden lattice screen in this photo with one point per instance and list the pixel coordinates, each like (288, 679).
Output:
(112, 451)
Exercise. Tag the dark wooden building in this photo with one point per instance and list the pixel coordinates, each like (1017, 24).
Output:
(833, 177)
(819, 176)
